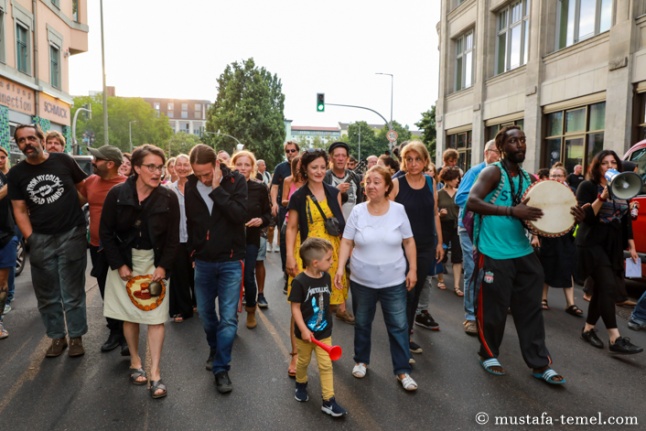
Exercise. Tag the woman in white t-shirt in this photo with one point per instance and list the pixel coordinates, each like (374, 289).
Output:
(374, 234)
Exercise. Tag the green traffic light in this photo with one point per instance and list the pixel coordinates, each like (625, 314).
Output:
(320, 102)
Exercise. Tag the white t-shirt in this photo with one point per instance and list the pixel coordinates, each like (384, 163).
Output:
(378, 259)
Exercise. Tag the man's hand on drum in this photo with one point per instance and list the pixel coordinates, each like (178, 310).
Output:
(525, 212)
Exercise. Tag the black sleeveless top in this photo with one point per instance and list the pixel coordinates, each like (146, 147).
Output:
(420, 208)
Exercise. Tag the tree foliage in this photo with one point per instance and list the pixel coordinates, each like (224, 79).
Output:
(181, 143)
(249, 106)
(403, 134)
(427, 126)
(362, 137)
(147, 126)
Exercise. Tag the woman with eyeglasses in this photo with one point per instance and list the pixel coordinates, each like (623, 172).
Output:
(557, 256)
(309, 208)
(139, 232)
(418, 194)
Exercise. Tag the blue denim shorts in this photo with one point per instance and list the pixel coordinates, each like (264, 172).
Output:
(8, 253)
(262, 251)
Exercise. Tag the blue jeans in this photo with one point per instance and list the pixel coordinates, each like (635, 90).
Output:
(393, 307)
(58, 275)
(221, 281)
(250, 288)
(639, 313)
(468, 265)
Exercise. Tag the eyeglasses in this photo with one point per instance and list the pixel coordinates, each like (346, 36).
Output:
(154, 168)
(293, 150)
(493, 151)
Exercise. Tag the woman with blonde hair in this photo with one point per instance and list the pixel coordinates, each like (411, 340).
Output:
(418, 194)
(259, 213)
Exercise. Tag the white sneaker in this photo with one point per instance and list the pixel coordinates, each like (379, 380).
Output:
(7, 308)
(276, 249)
(359, 370)
(3, 332)
(407, 382)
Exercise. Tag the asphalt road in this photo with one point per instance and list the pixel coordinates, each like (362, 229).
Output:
(455, 393)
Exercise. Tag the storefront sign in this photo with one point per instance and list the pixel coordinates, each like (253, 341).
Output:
(16, 97)
(54, 110)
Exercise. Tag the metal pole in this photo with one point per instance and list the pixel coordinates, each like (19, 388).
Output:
(392, 81)
(105, 88)
(359, 155)
(75, 148)
(130, 133)
(229, 136)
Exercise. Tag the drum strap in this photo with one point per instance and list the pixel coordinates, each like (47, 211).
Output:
(477, 218)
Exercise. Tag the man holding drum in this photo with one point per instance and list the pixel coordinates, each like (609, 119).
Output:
(512, 274)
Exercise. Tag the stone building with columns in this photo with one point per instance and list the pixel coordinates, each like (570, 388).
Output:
(571, 73)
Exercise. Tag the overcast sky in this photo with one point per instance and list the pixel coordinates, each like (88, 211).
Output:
(163, 48)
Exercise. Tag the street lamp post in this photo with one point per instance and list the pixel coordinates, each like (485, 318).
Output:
(105, 87)
(392, 81)
(240, 145)
(75, 147)
(130, 133)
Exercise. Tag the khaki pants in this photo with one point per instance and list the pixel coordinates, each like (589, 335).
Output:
(324, 362)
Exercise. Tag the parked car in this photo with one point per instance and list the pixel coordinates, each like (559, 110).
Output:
(637, 154)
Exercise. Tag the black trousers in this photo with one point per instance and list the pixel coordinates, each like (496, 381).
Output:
(100, 268)
(182, 284)
(515, 284)
(604, 295)
(425, 260)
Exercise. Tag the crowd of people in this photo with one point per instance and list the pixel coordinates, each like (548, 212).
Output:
(168, 238)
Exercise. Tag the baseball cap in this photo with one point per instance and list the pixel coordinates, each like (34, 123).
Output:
(337, 145)
(107, 152)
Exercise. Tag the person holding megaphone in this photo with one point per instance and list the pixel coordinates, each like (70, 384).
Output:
(604, 232)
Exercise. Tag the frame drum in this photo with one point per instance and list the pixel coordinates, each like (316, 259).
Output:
(555, 199)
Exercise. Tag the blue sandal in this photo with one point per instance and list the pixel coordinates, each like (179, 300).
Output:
(492, 362)
(548, 376)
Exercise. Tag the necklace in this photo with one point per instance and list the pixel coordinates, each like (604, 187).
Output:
(515, 196)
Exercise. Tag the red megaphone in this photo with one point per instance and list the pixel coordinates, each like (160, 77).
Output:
(335, 352)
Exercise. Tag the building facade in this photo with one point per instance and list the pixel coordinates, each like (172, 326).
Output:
(307, 136)
(188, 116)
(571, 73)
(36, 40)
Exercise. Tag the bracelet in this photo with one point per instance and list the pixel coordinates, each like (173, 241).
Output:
(600, 198)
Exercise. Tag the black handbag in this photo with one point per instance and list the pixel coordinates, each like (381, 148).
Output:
(332, 225)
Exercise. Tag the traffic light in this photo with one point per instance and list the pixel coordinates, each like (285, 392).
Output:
(320, 102)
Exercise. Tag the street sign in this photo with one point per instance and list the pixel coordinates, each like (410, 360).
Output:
(391, 136)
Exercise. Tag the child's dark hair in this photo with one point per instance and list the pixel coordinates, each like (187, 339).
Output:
(314, 249)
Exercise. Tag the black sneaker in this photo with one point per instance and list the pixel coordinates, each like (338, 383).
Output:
(285, 287)
(223, 382)
(125, 350)
(425, 320)
(332, 408)
(262, 302)
(414, 347)
(591, 337)
(301, 392)
(209, 361)
(623, 346)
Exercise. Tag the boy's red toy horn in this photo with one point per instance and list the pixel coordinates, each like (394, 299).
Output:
(335, 352)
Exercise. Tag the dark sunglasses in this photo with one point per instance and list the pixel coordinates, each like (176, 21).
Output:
(291, 151)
